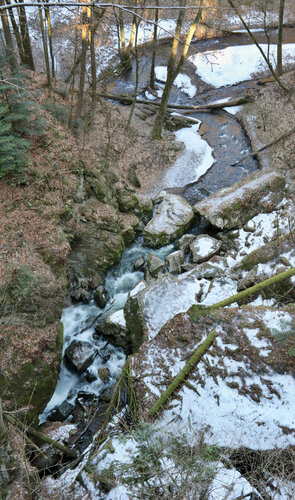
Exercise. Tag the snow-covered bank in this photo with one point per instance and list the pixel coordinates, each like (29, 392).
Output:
(237, 63)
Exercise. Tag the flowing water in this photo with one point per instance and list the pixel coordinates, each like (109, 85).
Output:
(224, 134)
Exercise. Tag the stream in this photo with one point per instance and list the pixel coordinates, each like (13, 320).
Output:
(224, 135)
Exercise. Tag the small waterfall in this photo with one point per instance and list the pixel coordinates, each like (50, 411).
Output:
(75, 318)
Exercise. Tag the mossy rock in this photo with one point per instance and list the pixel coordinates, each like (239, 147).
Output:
(94, 253)
(232, 207)
(135, 322)
(126, 199)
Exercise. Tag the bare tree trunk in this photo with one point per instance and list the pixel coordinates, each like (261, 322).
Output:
(124, 51)
(16, 34)
(93, 62)
(74, 70)
(83, 61)
(8, 39)
(265, 27)
(174, 67)
(159, 122)
(154, 52)
(45, 48)
(132, 33)
(136, 76)
(280, 39)
(48, 19)
(25, 36)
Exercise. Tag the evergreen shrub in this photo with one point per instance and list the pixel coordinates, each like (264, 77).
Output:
(18, 122)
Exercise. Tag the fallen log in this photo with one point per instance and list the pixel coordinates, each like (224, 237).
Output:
(197, 355)
(272, 143)
(39, 435)
(64, 449)
(128, 99)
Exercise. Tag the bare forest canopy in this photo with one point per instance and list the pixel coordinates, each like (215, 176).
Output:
(29, 43)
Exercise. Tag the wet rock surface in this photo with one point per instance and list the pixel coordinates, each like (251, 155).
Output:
(80, 355)
(113, 328)
(154, 267)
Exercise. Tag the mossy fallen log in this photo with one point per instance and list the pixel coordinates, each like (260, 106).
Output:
(197, 310)
(197, 355)
(40, 436)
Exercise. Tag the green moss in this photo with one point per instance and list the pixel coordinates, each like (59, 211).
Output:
(32, 384)
(135, 323)
(126, 199)
(106, 479)
(59, 340)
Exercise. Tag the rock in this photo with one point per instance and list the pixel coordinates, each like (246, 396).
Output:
(185, 241)
(174, 261)
(104, 374)
(49, 457)
(139, 264)
(80, 355)
(129, 223)
(81, 295)
(104, 354)
(250, 227)
(133, 312)
(113, 327)
(101, 296)
(61, 412)
(126, 199)
(93, 253)
(207, 270)
(160, 197)
(247, 365)
(30, 382)
(144, 208)
(172, 219)
(90, 376)
(203, 247)
(154, 266)
(187, 266)
(232, 207)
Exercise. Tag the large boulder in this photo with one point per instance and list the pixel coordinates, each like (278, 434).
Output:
(80, 354)
(241, 393)
(232, 207)
(113, 327)
(172, 219)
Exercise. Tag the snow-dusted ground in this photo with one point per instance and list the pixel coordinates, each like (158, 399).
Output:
(237, 63)
(172, 295)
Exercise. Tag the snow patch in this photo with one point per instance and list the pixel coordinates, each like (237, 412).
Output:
(236, 64)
